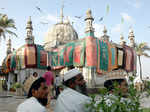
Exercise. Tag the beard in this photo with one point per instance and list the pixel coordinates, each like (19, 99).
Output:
(81, 89)
(43, 101)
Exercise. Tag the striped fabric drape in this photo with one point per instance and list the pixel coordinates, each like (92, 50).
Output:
(103, 56)
(79, 53)
(91, 52)
(41, 57)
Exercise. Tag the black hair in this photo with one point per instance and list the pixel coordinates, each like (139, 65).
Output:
(35, 73)
(35, 85)
(109, 84)
(48, 68)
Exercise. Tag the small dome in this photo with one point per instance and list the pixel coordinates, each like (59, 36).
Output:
(60, 34)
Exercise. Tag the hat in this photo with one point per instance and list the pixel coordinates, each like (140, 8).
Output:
(71, 73)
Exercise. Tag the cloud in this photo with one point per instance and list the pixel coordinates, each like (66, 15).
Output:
(127, 18)
(54, 19)
(98, 29)
(118, 28)
(49, 18)
(135, 3)
(77, 24)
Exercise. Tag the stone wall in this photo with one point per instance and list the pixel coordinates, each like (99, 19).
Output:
(24, 73)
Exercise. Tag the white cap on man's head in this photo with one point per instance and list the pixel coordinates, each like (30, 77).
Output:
(71, 73)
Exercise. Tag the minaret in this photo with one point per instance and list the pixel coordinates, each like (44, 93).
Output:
(131, 38)
(89, 22)
(122, 41)
(67, 20)
(8, 46)
(29, 38)
(105, 37)
(61, 13)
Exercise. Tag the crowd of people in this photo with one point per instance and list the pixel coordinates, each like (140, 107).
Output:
(71, 92)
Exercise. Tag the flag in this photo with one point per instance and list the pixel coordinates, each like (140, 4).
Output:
(107, 9)
(122, 20)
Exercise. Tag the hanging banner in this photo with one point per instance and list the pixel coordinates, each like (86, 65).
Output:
(61, 54)
(20, 58)
(128, 59)
(41, 57)
(78, 54)
(120, 55)
(18, 62)
(134, 61)
(8, 62)
(4, 67)
(68, 55)
(30, 56)
(54, 58)
(103, 58)
(13, 61)
(110, 56)
(49, 58)
(91, 52)
(113, 55)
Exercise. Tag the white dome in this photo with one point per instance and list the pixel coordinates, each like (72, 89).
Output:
(60, 34)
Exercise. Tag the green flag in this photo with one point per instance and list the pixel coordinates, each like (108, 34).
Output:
(122, 20)
(107, 9)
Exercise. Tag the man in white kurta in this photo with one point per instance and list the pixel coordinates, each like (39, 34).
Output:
(70, 100)
(31, 105)
(37, 97)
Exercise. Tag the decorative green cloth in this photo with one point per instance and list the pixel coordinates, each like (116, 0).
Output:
(69, 54)
(54, 58)
(61, 57)
(113, 56)
(18, 62)
(41, 57)
(103, 56)
(13, 61)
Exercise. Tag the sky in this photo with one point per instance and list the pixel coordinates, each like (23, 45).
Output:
(135, 14)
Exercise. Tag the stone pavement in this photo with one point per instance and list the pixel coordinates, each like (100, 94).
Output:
(9, 102)
(145, 101)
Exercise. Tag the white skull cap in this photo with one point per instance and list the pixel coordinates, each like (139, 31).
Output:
(71, 73)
